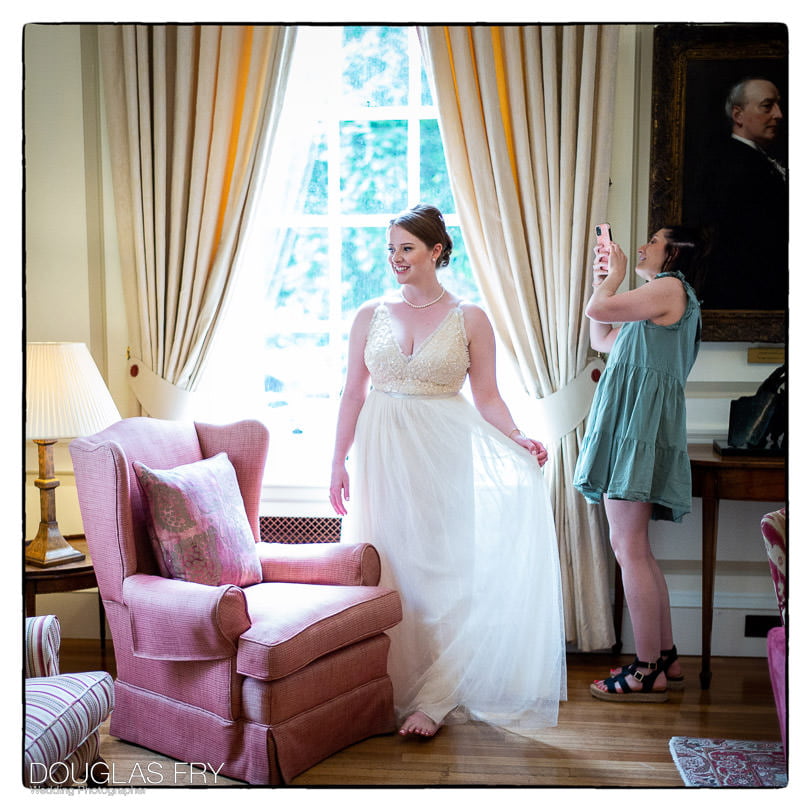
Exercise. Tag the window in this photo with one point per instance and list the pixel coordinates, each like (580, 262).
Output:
(360, 103)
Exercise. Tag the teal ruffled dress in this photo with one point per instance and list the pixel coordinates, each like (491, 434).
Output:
(635, 447)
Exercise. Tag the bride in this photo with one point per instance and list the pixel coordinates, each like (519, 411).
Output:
(454, 498)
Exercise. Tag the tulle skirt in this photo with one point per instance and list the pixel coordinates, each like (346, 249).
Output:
(462, 519)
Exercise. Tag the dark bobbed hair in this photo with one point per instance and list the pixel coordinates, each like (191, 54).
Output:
(685, 251)
(428, 225)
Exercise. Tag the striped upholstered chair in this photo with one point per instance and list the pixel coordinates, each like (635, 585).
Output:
(63, 713)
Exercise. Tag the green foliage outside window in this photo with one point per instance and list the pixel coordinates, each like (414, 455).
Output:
(373, 154)
(376, 66)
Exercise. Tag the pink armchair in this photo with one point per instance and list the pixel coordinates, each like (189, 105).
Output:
(773, 528)
(260, 679)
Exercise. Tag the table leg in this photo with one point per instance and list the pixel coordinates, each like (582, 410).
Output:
(709, 542)
(619, 600)
(30, 600)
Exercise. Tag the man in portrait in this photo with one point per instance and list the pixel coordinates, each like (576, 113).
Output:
(744, 203)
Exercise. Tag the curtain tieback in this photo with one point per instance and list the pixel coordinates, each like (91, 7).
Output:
(159, 397)
(563, 410)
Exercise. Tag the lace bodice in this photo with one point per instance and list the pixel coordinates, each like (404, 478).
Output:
(437, 366)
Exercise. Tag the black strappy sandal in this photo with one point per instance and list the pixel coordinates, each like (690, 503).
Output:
(675, 683)
(668, 658)
(619, 690)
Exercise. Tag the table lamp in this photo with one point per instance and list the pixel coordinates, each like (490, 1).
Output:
(65, 397)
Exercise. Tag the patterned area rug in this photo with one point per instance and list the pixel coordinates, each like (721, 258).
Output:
(719, 763)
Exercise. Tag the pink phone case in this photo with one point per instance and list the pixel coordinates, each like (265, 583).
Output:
(603, 242)
(603, 235)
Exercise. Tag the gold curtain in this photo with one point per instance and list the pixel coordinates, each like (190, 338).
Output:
(526, 118)
(191, 112)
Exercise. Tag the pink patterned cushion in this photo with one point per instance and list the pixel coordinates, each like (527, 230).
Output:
(773, 527)
(199, 524)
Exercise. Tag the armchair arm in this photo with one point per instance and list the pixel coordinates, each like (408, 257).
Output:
(43, 636)
(182, 621)
(324, 564)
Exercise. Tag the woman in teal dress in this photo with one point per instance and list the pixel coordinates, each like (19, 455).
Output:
(634, 455)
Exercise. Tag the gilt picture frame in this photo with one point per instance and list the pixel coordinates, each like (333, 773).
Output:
(694, 65)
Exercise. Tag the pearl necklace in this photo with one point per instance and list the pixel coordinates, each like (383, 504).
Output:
(423, 306)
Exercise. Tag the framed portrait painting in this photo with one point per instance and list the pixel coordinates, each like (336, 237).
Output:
(735, 192)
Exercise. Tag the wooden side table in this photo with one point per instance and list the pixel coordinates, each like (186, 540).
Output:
(64, 577)
(716, 477)
(738, 478)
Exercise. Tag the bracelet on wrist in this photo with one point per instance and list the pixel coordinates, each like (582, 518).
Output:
(514, 431)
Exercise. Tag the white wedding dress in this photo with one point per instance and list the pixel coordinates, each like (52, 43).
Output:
(462, 519)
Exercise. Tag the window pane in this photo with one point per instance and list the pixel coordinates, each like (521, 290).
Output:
(295, 362)
(296, 291)
(373, 161)
(376, 65)
(315, 200)
(426, 96)
(300, 383)
(365, 271)
(434, 181)
(458, 275)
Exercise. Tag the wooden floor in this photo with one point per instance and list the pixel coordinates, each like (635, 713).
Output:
(595, 743)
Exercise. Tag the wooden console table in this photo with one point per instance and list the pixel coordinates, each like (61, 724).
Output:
(738, 478)
(71, 576)
(716, 477)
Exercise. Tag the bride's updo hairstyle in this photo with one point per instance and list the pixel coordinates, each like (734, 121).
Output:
(427, 224)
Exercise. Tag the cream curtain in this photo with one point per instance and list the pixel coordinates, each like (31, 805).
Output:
(191, 113)
(526, 119)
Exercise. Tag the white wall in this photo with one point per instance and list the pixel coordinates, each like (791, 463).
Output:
(57, 295)
(68, 294)
(74, 294)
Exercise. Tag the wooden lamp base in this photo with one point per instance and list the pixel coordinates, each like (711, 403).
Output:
(48, 548)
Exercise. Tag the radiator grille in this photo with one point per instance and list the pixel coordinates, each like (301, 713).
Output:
(295, 529)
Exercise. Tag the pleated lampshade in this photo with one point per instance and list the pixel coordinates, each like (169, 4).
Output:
(65, 393)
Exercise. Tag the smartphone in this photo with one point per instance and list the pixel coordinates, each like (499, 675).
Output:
(603, 235)
(603, 243)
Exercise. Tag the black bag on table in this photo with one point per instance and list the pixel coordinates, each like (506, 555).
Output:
(760, 422)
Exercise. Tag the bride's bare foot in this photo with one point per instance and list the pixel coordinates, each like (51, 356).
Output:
(418, 723)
